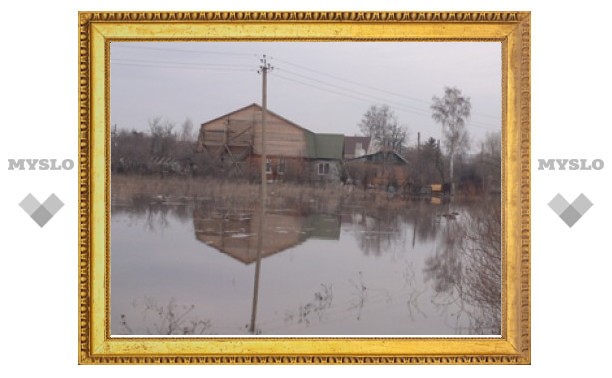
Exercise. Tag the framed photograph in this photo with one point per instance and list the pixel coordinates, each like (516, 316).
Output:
(304, 187)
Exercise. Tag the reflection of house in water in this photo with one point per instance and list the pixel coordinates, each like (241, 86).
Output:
(235, 233)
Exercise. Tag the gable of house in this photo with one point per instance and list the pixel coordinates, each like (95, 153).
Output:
(242, 128)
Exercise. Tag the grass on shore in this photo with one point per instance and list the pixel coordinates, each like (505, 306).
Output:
(237, 193)
(242, 194)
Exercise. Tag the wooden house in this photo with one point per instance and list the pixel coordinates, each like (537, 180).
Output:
(382, 169)
(233, 145)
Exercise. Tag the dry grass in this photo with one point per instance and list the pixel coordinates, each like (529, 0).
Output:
(243, 194)
(126, 187)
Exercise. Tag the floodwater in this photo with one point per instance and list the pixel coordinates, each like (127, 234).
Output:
(413, 268)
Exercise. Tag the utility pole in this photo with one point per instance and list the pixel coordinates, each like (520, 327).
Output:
(263, 69)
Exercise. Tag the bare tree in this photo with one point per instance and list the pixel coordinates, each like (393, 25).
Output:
(130, 150)
(186, 134)
(452, 111)
(491, 160)
(380, 123)
(431, 162)
(163, 136)
(492, 145)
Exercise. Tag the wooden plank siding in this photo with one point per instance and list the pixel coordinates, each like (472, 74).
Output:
(236, 138)
(281, 139)
(243, 127)
(381, 169)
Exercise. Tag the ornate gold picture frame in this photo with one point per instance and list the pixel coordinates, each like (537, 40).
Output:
(98, 29)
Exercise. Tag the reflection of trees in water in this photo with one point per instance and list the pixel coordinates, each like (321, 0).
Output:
(378, 228)
(424, 218)
(155, 211)
(171, 319)
(381, 229)
(377, 231)
(414, 292)
(465, 272)
(466, 269)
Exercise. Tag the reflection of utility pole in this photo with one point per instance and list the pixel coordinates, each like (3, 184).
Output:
(414, 228)
(262, 215)
(264, 68)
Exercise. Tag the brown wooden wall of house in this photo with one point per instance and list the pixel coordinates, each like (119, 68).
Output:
(244, 128)
(395, 174)
(379, 174)
(296, 169)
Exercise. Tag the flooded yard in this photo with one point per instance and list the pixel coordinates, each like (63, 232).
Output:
(408, 269)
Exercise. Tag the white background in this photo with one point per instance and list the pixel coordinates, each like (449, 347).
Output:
(571, 82)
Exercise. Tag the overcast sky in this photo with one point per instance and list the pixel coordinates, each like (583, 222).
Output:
(323, 86)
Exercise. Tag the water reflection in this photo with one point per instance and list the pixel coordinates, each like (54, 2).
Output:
(236, 232)
(466, 270)
(411, 269)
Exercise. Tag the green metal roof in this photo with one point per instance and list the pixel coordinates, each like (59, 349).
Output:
(325, 146)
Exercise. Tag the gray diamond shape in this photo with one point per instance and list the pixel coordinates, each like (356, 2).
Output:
(582, 204)
(558, 204)
(29, 204)
(53, 204)
(41, 216)
(570, 216)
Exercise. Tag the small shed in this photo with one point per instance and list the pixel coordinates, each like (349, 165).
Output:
(384, 168)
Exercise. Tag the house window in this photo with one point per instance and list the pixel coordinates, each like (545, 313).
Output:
(323, 168)
(358, 147)
(281, 166)
(268, 166)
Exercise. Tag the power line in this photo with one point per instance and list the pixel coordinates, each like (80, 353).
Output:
(124, 46)
(351, 81)
(367, 86)
(220, 68)
(329, 90)
(353, 91)
(179, 63)
(369, 99)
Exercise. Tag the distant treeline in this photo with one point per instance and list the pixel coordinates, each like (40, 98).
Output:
(164, 151)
